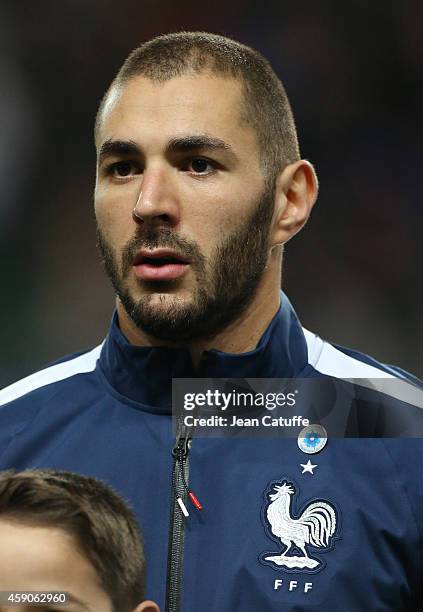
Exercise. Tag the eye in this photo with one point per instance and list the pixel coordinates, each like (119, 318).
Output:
(123, 169)
(200, 165)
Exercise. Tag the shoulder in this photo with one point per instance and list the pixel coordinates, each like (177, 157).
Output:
(60, 370)
(340, 362)
(379, 400)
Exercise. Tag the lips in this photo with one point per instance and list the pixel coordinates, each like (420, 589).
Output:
(159, 265)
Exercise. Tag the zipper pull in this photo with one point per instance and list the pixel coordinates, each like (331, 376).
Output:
(181, 448)
(194, 500)
(180, 453)
(182, 507)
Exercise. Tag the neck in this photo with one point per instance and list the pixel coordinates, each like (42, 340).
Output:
(240, 336)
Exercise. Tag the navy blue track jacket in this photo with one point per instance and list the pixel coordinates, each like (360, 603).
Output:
(354, 522)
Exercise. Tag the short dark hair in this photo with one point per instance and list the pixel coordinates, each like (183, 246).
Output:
(266, 104)
(104, 527)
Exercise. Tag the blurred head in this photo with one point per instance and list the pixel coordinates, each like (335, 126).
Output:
(197, 159)
(64, 532)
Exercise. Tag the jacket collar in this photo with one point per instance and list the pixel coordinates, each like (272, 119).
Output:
(144, 374)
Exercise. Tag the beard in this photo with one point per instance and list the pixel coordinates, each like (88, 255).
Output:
(224, 286)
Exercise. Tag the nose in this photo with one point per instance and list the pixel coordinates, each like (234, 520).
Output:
(157, 201)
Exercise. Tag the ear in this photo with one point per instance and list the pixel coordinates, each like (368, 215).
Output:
(147, 606)
(295, 195)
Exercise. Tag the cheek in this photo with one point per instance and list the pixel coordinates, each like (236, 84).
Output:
(212, 213)
(221, 219)
(114, 218)
(208, 228)
(232, 202)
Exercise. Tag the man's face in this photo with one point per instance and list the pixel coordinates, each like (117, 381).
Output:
(192, 257)
(47, 559)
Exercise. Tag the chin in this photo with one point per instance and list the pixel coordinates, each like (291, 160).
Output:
(164, 299)
(163, 306)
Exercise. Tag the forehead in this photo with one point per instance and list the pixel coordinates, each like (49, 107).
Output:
(191, 104)
(45, 558)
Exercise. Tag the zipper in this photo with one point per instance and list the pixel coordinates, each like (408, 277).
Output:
(179, 513)
(175, 558)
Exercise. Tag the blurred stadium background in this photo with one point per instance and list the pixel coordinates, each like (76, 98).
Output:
(353, 71)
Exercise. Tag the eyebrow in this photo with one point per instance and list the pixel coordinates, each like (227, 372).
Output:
(200, 141)
(182, 144)
(118, 147)
(72, 599)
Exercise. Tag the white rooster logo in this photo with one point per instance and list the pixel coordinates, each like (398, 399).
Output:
(315, 527)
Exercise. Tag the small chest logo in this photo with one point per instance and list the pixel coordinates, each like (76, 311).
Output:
(315, 526)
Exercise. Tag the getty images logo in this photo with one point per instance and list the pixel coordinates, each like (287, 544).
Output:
(239, 399)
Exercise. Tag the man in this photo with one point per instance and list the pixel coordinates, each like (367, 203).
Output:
(199, 185)
(68, 542)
